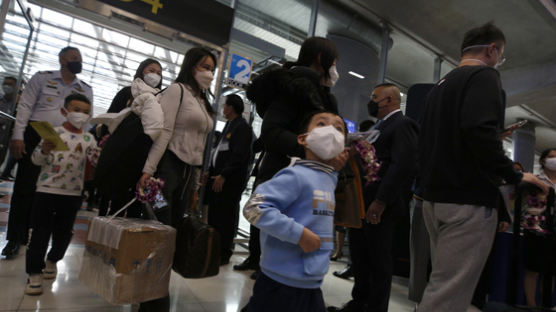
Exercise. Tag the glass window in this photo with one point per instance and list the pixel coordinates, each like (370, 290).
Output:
(88, 54)
(54, 32)
(57, 18)
(78, 41)
(140, 45)
(86, 27)
(115, 37)
(108, 65)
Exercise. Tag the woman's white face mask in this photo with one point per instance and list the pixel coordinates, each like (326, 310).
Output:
(152, 79)
(550, 163)
(334, 76)
(203, 78)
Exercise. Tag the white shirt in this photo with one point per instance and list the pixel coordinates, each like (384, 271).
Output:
(391, 113)
(43, 98)
(546, 180)
(186, 127)
(62, 172)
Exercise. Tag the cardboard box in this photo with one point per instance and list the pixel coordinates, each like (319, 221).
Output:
(128, 260)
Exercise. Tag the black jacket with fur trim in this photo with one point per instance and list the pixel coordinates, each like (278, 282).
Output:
(283, 98)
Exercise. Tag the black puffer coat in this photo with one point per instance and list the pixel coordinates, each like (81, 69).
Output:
(283, 98)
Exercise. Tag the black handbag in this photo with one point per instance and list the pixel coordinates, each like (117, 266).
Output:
(197, 249)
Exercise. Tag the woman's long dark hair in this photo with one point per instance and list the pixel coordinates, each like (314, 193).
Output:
(141, 69)
(310, 51)
(192, 58)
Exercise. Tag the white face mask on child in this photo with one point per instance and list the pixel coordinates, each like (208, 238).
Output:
(77, 119)
(325, 142)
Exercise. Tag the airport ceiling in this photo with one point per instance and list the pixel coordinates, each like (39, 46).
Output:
(529, 74)
(423, 30)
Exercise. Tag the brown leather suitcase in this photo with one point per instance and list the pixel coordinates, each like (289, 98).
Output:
(197, 249)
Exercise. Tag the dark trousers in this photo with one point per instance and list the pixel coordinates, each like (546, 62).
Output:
(53, 215)
(24, 190)
(371, 256)
(179, 182)
(103, 205)
(254, 243)
(270, 296)
(254, 234)
(223, 213)
(10, 164)
(118, 200)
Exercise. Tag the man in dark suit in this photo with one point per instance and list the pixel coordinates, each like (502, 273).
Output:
(371, 245)
(228, 174)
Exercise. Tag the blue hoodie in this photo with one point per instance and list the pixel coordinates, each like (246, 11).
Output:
(296, 197)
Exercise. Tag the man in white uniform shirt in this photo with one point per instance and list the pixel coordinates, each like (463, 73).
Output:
(41, 100)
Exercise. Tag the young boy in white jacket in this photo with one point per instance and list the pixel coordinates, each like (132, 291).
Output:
(58, 196)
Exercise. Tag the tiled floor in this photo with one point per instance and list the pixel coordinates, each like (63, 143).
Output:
(227, 292)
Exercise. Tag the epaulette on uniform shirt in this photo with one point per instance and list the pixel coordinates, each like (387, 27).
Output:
(45, 72)
(83, 82)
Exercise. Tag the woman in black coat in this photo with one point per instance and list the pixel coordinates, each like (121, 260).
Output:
(150, 71)
(283, 98)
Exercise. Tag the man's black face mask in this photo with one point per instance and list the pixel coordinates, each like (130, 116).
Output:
(372, 107)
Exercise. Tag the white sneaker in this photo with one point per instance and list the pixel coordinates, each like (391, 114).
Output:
(50, 270)
(34, 285)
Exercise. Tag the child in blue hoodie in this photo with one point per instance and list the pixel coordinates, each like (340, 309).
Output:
(295, 211)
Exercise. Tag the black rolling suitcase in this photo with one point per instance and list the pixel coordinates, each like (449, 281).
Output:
(526, 193)
(197, 249)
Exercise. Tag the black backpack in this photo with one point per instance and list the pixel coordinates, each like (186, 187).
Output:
(121, 161)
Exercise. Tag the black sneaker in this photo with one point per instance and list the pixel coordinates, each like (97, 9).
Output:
(247, 264)
(346, 273)
(11, 249)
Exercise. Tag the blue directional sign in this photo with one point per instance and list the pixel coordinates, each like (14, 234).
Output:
(240, 69)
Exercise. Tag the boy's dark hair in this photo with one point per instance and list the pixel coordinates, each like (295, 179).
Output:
(68, 48)
(236, 103)
(307, 120)
(309, 53)
(143, 65)
(544, 154)
(486, 34)
(192, 57)
(366, 125)
(76, 97)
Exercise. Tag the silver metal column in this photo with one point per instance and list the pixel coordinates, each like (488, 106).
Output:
(437, 68)
(383, 60)
(313, 20)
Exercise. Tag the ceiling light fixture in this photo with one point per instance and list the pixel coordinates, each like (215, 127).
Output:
(356, 75)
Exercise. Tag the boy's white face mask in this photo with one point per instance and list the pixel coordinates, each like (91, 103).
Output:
(326, 142)
(78, 120)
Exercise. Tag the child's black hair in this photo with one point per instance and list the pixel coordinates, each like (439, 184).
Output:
(76, 97)
(307, 120)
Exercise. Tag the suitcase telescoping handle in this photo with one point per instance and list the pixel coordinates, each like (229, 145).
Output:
(145, 195)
